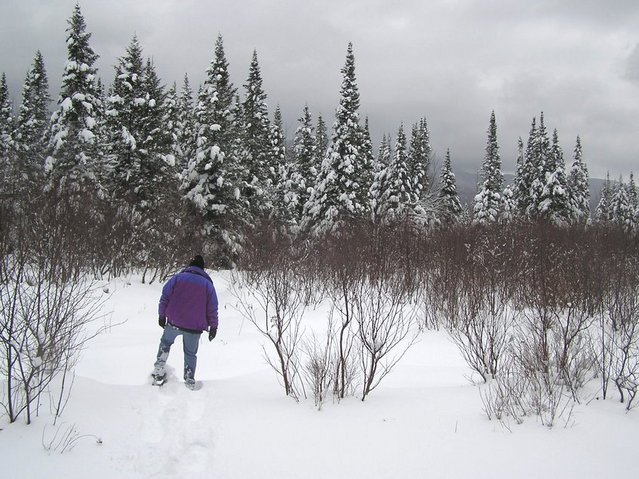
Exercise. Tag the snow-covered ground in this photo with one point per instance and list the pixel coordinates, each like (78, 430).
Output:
(424, 420)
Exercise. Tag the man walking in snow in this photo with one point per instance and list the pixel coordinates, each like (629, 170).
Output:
(188, 306)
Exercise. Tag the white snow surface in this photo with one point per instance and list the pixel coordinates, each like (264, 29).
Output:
(424, 420)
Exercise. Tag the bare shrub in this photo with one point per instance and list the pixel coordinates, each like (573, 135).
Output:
(48, 301)
(385, 309)
(64, 439)
(615, 340)
(341, 271)
(273, 293)
(385, 327)
(573, 357)
(480, 327)
(624, 330)
(481, 336)
(319, 365)
(504, 397)
(371, 278)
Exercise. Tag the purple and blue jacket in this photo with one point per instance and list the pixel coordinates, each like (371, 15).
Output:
(189, 300)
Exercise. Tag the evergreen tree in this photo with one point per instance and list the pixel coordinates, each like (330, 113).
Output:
(525, 174)
(632, 192)
(622, 213)
(554, 201)
(73, 146)
(159, 169)
(419, 157)
(367, 147)
(380, 183)
(578, 189)
(508, 205)
(397, 200)
(139, 142)
(158, 138)
(124, 130)
(186, 140)
(603, 212)
(450, 207)
(171, 122)
(9, 170)
(211, 178)
(322, 140)
(281, 176)
(211, 181)
(278, 150)
(306, 161)
(488, 201)
(6, 120)
(33, 118)
(541, 163)
(345, 177)
(255, 141)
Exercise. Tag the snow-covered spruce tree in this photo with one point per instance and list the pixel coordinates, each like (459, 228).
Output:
(159, 170)
(137, 139)
(142, 174)
(622, 213)
(123, 116)
(171, 122)
(397, 200)
(517, 188)
(9, 168)
(509, 206)
(6, 120)
(255, 147)
(321, 140)
(380, 179)
(186, 141)
(306, 161)
(73, 148)
(578, 189)
(488, 201)
(603, 212)
(633, 197)
(280, 191)
(367, 148)
(419, 158)
(33, 120)
(554, 202)
(449, 206)
(524, 175)
(541, 161)
(345, 177)
(211, 181)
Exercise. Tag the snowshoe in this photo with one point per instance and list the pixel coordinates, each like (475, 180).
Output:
(192, 384)
(158, 379)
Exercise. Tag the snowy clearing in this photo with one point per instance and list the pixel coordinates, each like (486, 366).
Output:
(424, 420)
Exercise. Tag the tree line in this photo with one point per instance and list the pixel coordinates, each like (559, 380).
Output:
(161, 169)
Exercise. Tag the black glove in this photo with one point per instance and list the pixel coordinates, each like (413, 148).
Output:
(212, 333)
(162, 321)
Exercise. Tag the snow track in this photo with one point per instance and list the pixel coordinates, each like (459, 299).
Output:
(179, 435)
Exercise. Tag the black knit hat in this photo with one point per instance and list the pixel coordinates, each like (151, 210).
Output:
(197, 261)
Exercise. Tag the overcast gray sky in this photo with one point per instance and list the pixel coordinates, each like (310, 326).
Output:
(451, 61)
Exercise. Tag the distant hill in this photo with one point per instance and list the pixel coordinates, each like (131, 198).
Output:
(467, 187)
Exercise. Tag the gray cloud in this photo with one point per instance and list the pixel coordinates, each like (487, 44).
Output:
(632, 69)
(452, 61)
